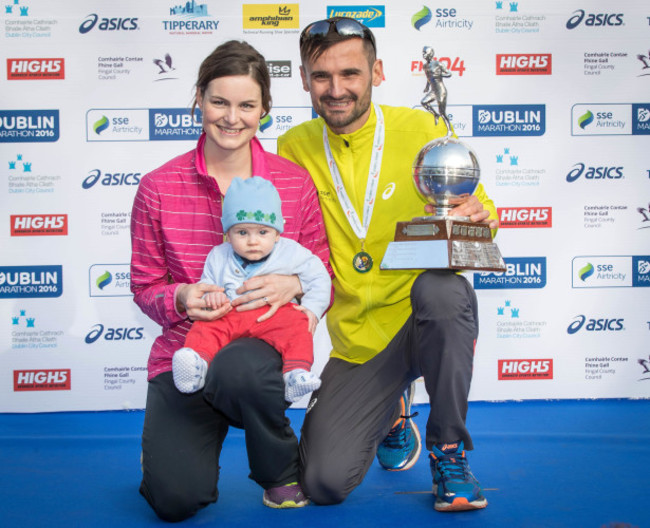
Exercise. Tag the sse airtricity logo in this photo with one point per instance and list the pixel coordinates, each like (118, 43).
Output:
(585, 119)
(265, 122)
(100, 125)
(586, 271)
(422, 17)
(109, 280)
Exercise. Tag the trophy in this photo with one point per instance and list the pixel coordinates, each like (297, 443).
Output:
(444, 170)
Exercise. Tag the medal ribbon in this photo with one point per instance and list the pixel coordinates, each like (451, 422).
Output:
(359, 227)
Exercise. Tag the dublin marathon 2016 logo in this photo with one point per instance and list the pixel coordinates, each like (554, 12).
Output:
(29, 126)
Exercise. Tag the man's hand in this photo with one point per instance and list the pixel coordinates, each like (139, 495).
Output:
(274, 290)
(470, 206)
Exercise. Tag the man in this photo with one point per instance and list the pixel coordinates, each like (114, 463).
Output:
(387, 327)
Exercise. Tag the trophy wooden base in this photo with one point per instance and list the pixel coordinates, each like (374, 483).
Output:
(444, 243)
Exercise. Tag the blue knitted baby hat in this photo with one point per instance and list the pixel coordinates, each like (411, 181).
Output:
(252, 201)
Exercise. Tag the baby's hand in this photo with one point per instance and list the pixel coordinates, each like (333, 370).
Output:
(313, 320)
(215, 300)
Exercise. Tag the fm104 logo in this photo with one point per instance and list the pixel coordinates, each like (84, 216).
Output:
(521, 273)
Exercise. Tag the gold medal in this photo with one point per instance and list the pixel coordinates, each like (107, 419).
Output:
(362, 262)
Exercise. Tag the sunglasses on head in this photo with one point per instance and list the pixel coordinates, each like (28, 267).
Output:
(342, 26)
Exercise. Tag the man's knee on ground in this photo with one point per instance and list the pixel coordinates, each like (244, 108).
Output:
(173, 504)
(324, 485)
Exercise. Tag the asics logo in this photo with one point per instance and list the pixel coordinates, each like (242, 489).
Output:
(388, 191)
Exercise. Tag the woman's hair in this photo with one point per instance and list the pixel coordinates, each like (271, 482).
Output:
(235, 58)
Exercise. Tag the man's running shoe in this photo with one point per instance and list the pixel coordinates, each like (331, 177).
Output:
(454, 486)
(400, 450)
(287, 496)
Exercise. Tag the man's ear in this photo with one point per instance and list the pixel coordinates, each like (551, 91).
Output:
(303, 76)
(377, 72)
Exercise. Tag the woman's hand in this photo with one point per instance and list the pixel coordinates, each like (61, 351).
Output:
(189, 299)
(470, 206)
(274, 290)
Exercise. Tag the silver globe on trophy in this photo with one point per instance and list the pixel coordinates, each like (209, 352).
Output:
(444, 170)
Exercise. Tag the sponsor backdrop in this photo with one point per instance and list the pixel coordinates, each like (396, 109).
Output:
(553, 96)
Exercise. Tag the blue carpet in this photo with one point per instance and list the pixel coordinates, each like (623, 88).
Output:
(542, 464)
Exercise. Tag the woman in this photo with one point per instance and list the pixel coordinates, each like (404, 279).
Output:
(175, 222)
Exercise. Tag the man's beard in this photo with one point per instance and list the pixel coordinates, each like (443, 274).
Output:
(336, 120)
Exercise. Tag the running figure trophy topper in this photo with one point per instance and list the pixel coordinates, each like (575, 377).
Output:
(444, 171)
